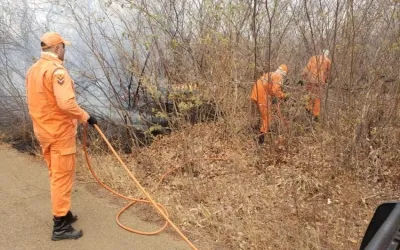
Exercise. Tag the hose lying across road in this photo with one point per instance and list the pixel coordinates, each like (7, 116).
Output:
(161, 210)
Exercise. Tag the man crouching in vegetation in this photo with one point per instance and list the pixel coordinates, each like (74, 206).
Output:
(269, 85)
(54, 112)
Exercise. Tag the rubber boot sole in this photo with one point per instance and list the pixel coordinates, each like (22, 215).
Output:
(67, 236)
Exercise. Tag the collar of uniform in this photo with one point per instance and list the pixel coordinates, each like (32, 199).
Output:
(280, 71)
(50, 56)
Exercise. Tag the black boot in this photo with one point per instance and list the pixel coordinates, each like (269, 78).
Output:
(63, 230)
(71, 218)
(261, 138)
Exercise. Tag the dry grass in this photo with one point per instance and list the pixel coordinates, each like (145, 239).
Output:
(316, 188)
(229, 193)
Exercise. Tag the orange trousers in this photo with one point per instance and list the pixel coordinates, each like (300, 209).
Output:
(60, 159)
(265, 114)
(314, 105)
(314, 99)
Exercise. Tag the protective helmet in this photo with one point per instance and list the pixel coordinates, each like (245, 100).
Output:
(284, 68)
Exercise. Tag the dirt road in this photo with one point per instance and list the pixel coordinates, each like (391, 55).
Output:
(26, 214)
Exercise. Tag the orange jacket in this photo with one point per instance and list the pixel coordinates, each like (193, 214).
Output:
(317, 70)
(51, 99)
(264, 88)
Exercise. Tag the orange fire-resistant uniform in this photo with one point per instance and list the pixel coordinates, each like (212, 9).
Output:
(315, 75)
(54, 112)
(267, 86)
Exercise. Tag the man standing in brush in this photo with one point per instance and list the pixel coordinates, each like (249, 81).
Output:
(316, 75)
(54, 112)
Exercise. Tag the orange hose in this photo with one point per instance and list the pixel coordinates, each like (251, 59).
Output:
(161, 210)
(164, 175)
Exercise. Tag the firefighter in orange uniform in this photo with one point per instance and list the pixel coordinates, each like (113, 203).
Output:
(269, 85)
(316, 76)
(55, 112)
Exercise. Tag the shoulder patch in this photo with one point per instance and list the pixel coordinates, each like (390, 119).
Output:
(59, 75)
